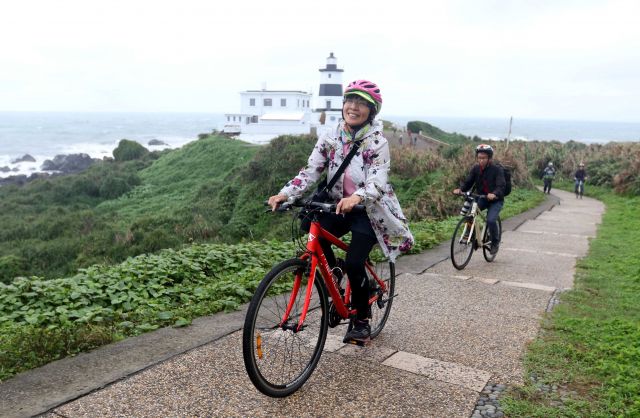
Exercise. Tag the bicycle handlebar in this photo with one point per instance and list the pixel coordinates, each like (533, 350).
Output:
(314, 206)
(468, 195)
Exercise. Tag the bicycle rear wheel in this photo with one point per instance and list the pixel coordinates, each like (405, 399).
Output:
(278, 357)
(380, 309)
(461, 246)
(486, 243)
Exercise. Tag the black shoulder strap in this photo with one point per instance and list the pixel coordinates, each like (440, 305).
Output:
(343, 166)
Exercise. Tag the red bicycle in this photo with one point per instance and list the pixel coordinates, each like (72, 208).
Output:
(289, 315)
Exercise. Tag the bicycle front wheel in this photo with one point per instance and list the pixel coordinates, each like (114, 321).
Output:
(486, 242)
(461, 245)
(380, 308)
(278, 356)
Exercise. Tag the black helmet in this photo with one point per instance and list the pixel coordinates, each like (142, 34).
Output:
(486, 149)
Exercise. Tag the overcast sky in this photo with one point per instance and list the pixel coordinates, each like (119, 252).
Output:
(530, 59)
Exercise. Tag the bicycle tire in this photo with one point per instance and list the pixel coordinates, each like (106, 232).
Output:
(280, 359)
(486, 243)
(461, 250)
(381, 308)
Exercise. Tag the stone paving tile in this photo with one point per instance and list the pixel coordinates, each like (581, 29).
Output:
(443, 371)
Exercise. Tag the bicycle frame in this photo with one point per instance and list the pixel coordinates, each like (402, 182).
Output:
(475, 227)
(319, 261)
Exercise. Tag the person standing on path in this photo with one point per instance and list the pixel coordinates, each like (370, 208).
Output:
(579, 178)
(487, 179)
(547, 176)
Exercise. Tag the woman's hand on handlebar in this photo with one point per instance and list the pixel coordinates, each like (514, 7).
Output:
(275, 200)
(346, 204)
(457, 192)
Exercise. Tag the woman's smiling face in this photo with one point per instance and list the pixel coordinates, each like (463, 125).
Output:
(355, 110)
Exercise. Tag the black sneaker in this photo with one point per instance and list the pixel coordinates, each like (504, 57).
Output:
(494, 249)
(361, 331)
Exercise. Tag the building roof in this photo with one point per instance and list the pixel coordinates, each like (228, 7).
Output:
(283, 116)
(276, 91)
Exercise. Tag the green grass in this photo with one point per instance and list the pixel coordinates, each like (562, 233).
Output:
(589, 346)
(173, 181)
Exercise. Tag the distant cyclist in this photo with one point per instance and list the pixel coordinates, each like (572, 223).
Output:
(366, 182)
(580, 176)
(487, 179)
(547, 176)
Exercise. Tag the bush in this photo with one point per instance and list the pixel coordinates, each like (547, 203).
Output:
(113, 187)
(11, 266)
(129, 150)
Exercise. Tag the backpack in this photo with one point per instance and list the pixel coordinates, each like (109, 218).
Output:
(507, 179)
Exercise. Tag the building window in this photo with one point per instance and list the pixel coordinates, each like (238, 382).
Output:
(332, 118)
(228, 118)
(328, 104)
(267, 102)
(329, 75)
(252, 102)
(283, 102)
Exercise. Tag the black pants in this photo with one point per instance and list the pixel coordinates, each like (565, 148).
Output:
(362, 241)
(547, 185)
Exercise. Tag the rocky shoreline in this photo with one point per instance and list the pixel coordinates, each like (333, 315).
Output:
(60, 165)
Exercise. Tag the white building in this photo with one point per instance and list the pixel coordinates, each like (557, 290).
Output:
(265, 114)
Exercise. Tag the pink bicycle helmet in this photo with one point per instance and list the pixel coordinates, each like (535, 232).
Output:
(368, 90)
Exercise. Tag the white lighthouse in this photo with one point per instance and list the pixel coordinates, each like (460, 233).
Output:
(329, 100)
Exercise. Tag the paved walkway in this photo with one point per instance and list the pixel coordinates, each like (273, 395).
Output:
(450, 332)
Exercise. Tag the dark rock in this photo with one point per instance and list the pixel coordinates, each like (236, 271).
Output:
(22, 179)
(4, 169)
(25, 158)
(72, 163)
(35, 176)
(19, 180)
(156, 142)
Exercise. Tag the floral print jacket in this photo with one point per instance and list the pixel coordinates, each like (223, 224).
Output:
(369, 170)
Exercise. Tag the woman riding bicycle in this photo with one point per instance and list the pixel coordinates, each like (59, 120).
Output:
(365, 181)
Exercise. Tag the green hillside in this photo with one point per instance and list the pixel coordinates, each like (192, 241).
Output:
(429, 130)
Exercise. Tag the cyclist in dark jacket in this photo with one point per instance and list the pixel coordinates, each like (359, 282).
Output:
(488, 179)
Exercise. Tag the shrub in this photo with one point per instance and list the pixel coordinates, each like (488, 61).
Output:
(11, 266)
(113, 187)
(129, 150)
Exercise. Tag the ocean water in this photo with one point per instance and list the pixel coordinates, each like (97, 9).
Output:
(44, 135)
(534, 129)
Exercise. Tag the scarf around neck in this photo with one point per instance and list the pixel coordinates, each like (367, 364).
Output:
(360, 133)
